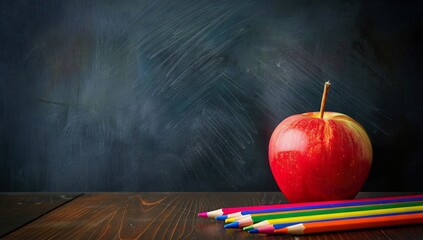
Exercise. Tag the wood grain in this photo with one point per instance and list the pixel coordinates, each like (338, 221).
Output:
(169, 216)
(17, 209)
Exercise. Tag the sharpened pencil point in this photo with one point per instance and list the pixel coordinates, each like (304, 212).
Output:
(221, 218)
(230, 220)
(203, 214)
(282, 231)
(253, 231)
(232, 225)
(248, 228)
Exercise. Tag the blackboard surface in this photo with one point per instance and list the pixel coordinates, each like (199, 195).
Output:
(183, 95)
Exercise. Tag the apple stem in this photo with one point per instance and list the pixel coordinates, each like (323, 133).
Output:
(325, 94)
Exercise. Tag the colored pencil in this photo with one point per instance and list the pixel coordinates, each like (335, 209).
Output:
(272, 215)
(271, 228)
(314, 205)
(249, 220)
(330, 216)
(350, 224)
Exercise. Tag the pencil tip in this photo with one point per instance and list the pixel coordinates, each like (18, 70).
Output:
(221, 218)
(281, 231)
(232, 225)
(203, 214)
(253, 231)
(248, 228)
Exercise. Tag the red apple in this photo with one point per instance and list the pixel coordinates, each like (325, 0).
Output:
(316, 157)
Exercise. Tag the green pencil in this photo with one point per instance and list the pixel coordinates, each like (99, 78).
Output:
(249, 219)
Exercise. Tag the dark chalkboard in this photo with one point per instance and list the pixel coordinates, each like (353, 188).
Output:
(181, 95)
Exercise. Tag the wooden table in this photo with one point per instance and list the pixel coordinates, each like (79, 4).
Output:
(149, 216)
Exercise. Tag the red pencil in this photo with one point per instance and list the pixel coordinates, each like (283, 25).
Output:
(308, 205)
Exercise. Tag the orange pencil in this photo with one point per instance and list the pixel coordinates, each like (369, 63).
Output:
(350, 224)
